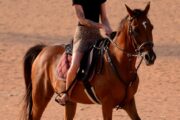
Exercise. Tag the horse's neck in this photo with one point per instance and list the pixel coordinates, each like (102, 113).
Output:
(123, 63)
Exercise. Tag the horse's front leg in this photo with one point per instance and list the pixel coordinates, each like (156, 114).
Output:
(130, 108)
(70, 110)
(107, 110)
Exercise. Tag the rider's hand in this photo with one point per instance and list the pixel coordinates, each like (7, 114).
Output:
(107, 30)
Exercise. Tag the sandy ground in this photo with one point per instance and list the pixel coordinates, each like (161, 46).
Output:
(24, 23)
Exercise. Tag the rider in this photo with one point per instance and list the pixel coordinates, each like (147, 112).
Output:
(87, 33)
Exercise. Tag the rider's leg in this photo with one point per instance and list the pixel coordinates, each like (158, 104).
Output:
(75, 64)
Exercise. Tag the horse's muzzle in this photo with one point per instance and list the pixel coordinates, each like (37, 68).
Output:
(149, 57)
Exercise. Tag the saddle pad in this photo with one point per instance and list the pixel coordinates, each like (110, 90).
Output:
(63, 66)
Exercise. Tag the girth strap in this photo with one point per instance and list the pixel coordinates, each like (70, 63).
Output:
(90, 92)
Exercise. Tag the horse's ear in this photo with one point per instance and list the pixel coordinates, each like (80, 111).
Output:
(147, 8)
(130, 12)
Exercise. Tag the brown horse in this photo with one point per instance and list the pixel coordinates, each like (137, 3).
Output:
(116, 85)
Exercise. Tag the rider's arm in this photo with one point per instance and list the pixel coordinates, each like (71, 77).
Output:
(83, 21)
(105, 20)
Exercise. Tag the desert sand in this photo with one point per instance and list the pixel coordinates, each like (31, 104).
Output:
(24, 23)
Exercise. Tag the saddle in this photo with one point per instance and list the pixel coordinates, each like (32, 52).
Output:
(88, 62)
(91, 64)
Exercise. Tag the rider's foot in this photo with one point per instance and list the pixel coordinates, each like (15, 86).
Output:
(63, 99)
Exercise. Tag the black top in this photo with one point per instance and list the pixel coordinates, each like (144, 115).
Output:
(91, 8)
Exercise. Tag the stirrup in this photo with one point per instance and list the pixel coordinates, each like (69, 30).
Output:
(58, 97)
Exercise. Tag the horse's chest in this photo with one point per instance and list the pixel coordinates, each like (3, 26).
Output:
(132, 89)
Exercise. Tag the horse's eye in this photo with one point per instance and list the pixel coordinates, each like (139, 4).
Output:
(136, 31)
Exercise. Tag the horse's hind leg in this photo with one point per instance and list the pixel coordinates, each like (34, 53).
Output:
(70, 110)
(130, 108)
(41, 94)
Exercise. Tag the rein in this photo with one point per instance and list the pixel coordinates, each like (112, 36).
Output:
(128, 53)
(116, 45)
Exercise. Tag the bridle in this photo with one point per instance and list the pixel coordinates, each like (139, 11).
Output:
(137, 47)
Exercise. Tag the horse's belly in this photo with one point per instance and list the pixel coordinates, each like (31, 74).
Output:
(78, 95)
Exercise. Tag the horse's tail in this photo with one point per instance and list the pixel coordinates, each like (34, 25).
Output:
(29, 58)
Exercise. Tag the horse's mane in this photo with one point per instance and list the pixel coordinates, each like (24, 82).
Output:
(137, 13)
(122, 24)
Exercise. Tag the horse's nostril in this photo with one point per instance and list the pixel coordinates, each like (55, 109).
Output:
(147, 57)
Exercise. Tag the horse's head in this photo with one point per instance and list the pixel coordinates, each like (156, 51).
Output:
(140, 32)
